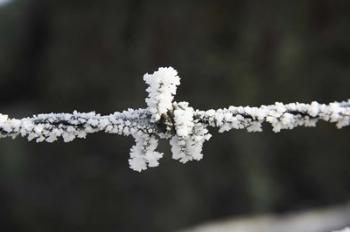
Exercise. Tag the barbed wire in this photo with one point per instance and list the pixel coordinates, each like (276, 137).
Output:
(185, 127)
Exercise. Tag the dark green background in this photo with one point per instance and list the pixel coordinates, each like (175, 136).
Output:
(58, 56)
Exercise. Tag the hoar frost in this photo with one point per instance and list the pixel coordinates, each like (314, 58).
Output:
(187, 144)
(161, 89)
(184, 127)
(143, 154)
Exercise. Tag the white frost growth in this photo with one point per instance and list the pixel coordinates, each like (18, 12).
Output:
(143, 154)
(190, 147)
(185, 127)
(280, 116)
(3, 118)
(49, 127)
(183, 117)
(190, 136)
(162, 88)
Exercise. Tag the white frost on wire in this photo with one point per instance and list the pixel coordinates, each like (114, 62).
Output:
(183, 117)
(162, 86)
(49, 127)
(184, 127)
(187, 148)
(280, 116)
(187, 143)
(143, 154)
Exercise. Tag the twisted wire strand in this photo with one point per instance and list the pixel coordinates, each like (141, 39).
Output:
(185, 127)
(49, 127)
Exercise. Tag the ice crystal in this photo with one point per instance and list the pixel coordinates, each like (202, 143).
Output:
(143, 154)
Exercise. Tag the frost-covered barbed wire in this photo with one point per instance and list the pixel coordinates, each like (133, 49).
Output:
(185, 127)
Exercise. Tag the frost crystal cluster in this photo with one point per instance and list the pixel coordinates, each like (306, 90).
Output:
(186, 135)
(187, 143)
(161, 90)
(184, 127)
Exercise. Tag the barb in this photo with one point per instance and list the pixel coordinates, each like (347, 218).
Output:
(185, 127)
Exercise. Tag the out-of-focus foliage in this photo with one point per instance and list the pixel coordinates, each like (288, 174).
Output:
(91, 55)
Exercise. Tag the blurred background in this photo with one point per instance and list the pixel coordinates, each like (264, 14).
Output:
(58, 56)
